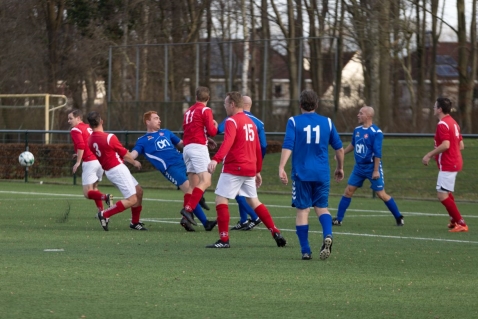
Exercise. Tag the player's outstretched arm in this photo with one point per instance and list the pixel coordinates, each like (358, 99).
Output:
(134, 154)
(128, 158)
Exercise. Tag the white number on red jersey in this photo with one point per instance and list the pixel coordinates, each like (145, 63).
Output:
(249, 132)
(457, 132)
(97, 150)
(189, 116)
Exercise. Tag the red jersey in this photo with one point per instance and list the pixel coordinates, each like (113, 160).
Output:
(448, 130)
(79, 135)
(107, 149)
(198, 125)
(241, 149)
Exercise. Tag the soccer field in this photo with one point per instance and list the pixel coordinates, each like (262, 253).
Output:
(57, 262)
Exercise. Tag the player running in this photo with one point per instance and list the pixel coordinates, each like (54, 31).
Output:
(159, 148)
(92, 173)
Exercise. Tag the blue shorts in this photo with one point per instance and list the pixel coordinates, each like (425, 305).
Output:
(358, 176)
(310, 194)
(176, 173)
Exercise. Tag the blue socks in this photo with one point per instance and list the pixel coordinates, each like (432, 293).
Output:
(302, 232)
(392, 207)
(343, 205)
(326, 222)
(200, 214)
(245, 209)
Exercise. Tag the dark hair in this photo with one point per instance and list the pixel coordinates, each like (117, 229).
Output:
(94, 118)
(308, 100)
(235, 97)
(445, 104)
(202, 94)
(76, 113)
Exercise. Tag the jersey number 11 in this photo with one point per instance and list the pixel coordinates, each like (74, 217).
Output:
(317, 133)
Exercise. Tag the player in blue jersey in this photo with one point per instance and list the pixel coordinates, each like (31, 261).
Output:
(159, 147)
(367, 146)
(244, 209)
(307, 138)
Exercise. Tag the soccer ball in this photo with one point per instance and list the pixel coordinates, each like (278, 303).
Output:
(26, 159)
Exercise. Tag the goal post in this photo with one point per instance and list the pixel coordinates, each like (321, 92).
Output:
(46, 106)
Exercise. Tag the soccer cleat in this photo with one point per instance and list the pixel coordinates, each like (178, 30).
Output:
(103, 221)
(219, 244)
(326, 248)
(109, 199)
(336, 222)
(189, 216)
(306, 256)
(210, 224)
(240, 225)
(451, 225)
(186, 224)
(137, 226)
(252, 224)
(400, 221)
(203, 203)
(281, 242)
(459, 229)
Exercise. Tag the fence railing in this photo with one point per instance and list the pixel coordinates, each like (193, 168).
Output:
(405, 175)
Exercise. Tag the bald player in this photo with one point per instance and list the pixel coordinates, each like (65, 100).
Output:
(367, 146)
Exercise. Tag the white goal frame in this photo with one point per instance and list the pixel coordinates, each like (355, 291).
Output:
(47, 97)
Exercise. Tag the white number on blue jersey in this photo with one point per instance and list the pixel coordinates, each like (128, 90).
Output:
(309, 134)
(249, 132)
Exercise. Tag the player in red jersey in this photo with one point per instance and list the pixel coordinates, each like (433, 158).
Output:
(110, 154)
(241, 152)
(92, 172)
(198, 125)
(447, 152)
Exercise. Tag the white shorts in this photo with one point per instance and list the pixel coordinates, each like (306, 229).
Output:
(229, 186)
(121, 177)
(196, 158)
(446, 181)
(92, 172)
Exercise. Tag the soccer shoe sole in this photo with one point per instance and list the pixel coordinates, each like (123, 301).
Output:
(326, 248)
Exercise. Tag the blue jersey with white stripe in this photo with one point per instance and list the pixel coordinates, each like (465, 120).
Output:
(367, 143)
(260, 130)
(159, 149)
(308, 136)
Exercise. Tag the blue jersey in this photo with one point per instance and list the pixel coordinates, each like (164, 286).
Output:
(159, 149)
(260, 131)
(308, 136)
(367, 143)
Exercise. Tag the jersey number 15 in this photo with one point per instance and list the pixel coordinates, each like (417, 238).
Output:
(249, 132)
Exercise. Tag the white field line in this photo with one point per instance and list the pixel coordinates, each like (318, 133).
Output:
(233, 203)
(163, 220)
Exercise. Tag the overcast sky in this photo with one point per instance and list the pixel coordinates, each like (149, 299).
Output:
(450, 17)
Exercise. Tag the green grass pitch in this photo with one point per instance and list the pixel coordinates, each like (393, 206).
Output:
(57, 262)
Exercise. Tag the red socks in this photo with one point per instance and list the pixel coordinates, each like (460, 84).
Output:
(97, 197)
(135, 213)
(194, 199)
(223, 221)
(115, 209)
(266, 218)
(452, 210)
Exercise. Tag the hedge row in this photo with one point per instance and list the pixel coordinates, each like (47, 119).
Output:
(56, 160)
